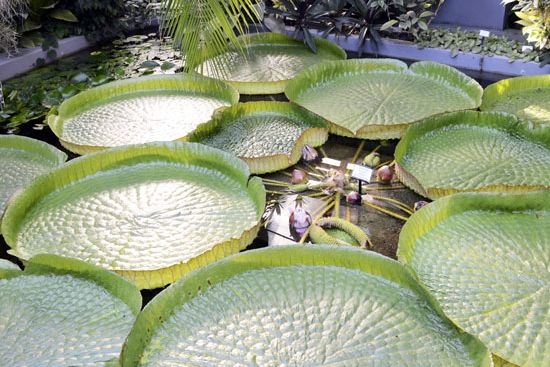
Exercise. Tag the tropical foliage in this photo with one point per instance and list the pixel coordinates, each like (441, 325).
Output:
(450, 153)
(269, 61)
(364, 17)
(257, 307)
(25, 159)
(279, 131)
(30, 97)
(534, 17)
(388, 95)
(526, 97)
(163, 193)
(132, 111)
(500, 244)
(86, 313)
(472, 280)
(202, 28)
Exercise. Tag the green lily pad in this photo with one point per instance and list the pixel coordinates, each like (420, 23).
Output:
(298, 306)
(380, 98)
(271, 60)
(486, 259)
(138, 110)
(63, 312)
(268, 136)
(21, 161)
(473, 151)
(149, 212)
(527, 97)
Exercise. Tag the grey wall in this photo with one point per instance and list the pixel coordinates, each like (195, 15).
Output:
(486, 14)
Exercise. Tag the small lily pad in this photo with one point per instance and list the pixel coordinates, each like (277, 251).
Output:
(268, 136)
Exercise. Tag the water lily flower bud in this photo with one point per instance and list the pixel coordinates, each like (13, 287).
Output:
(384, 174)
(309, 153)
(353, 197)
(298, 176)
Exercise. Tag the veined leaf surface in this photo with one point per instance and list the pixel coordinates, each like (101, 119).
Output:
(62, 312)
(473, 151)
(380, 98)
(268, 136)
(297, 306)
(486, 259)
(23, 159)
(138, 110)
(269, 61)
(149, 212)
(527, 97)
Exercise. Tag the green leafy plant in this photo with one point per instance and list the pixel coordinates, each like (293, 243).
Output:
(458, 41)
(367, 18)
(534, 17)
(202, 28)
(45, 19)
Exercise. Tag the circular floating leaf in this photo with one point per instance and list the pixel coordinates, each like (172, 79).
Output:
(21, 161)
(271, 60)
(62, 312)
(298, 306)
(139, 110)
(473, 151)
(527, 97)
(379, 98)
(268, 136)
(486, 259)
(150, 212)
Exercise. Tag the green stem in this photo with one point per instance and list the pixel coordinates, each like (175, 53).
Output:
(386, 211)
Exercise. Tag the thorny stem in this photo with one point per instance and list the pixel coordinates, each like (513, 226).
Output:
(386, 211)
(383, 187)
(336, 211)
(399, 204)
(277, 182)
(312, 168)
(358, 151)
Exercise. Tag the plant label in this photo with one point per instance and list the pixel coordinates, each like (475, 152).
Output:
(332, 162)
(361, 173)
(484, 33)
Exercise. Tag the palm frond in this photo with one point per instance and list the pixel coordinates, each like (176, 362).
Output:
(202, 28)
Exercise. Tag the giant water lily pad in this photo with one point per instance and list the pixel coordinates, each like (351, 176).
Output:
(62, 312)
(486, 259)
(268, 136)
(527, 97)
(138, 110)
(149, 212)
(473, 151)
(21, 161)
(269, 62)
(298, 306)
(380, 98)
